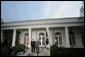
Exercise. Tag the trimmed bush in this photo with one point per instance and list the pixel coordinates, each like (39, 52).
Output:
(19, 48)
(61, 51)
(56, 51)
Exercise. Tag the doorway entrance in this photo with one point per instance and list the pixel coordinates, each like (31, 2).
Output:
(42, 39)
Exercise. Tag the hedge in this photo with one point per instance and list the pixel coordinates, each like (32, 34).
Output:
(6, 50)
(61, 51)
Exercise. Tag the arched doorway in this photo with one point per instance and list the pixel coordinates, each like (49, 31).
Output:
(58, 38)
(42, 39)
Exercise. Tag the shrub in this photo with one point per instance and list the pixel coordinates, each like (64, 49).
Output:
(61, 51)
(4, 51)
(74, 51)
(7, 50)
(56, 51)
(19, 48)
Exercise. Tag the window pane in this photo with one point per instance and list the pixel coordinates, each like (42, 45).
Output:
(56, 38)
(40, 40)
(43, 40)
(73, 39)
(70, 40)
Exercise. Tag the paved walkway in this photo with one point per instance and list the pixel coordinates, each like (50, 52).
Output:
(43, 52)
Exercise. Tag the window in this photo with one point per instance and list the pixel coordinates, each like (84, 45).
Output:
(58, 38)
(42, 38)
(72, 38)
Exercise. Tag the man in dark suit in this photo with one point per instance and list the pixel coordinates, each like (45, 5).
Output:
(33, 46)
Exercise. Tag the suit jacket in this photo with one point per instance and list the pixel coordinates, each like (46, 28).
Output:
(33, 43)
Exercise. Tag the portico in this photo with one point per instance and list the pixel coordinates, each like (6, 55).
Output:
(53, 29)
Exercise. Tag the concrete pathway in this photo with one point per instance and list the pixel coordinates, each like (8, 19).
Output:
(43, 52)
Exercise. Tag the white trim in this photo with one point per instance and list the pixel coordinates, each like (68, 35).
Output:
(45, 21)
(43, 26)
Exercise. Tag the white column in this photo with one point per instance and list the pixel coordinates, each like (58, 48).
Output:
(67, 37)
(14, 38)
(47, 28)
(29, 37)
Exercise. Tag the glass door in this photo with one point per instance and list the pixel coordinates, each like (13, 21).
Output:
(42, 40)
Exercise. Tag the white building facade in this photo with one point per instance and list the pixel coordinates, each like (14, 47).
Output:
(66, 32)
